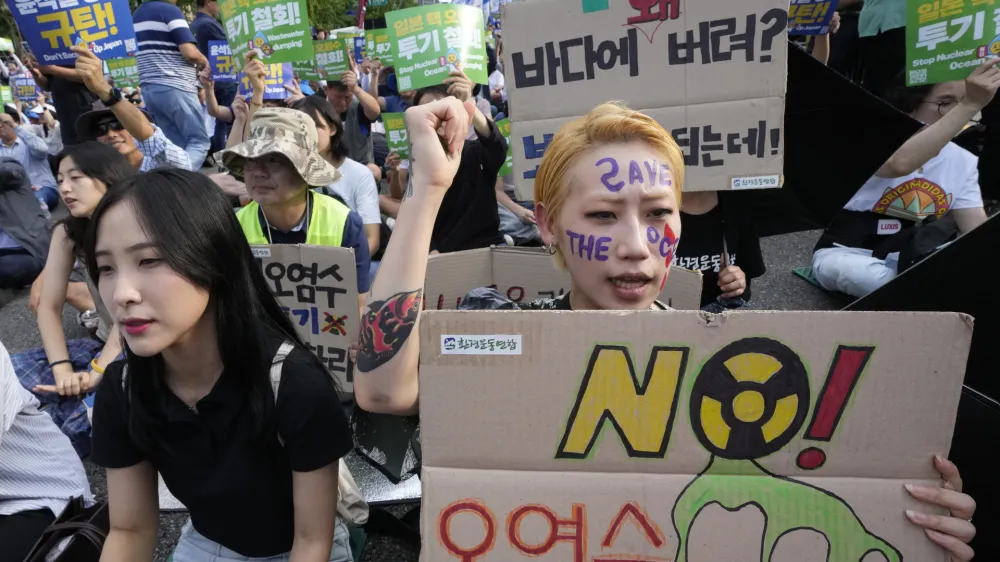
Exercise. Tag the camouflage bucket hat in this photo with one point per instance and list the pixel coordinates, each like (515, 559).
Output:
(288, 132)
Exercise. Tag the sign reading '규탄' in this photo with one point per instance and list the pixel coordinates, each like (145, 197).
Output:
(51, 27)
(681, 437)
(712, 72)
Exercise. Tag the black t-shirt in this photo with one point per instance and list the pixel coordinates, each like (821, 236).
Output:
(700, 247)
(238, 491)
(71, 100)
(468, 216)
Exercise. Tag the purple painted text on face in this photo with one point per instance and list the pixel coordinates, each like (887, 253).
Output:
(605, 179)
(668, 244)
(635, 173)
(588, 246)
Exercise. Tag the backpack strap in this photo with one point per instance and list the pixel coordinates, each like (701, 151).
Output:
(276, 364)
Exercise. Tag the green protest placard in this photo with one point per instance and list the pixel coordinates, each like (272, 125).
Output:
(946, 40)
(277, 29)
(508, 164)
(124, 72)
(5, 95)
(306, 70)
(428, 42)
(6, 44)
(395, 134)
(377, 46)
(331, 58)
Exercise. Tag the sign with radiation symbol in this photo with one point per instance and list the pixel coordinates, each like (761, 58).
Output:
(749, 399)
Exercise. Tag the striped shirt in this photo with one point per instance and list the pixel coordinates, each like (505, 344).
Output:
(39, 468)
(160, 29)
(158, 152)
(33, 153)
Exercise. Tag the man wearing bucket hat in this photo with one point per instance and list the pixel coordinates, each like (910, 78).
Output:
(279, 163)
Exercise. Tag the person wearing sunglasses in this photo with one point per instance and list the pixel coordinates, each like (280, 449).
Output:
(121, 125)
(928, 179)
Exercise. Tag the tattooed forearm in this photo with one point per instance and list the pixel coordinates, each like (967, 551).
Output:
(386, 327)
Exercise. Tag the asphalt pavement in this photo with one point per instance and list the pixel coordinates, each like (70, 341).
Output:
(778, 289)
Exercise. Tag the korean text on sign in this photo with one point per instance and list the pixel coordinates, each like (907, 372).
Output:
(428, 42)
(317, 288)
(810, 17)
(24, 88)
(947, 39)
(508, 165)
(331, 57)
(276, 76)
(377, 46)
(220, 58)
(278, 30)
(395, 134)
(51, 27)
(124, 72)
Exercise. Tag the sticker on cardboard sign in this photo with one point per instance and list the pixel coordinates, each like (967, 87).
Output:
(889, 226)
(756, 182)
(465, 344)
(260, 252)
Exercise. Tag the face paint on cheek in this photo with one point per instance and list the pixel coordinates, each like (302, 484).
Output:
(652, 235)
(668, 244)
(610, 175)
(588, 246)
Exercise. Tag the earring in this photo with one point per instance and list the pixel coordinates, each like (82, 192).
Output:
(551, 249)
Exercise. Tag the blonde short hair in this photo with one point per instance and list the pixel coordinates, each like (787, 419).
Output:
(607, 123)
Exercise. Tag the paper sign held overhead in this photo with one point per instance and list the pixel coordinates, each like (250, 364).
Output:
(5, 94)
(672, 436)
(428, 42)
(51, 28)
(275, 78)
(24, 88)
(377, 46)
(220, 58)
(810, 17)
(946, 40)
(331, 58)
(278, 30)
(396, 135)
(125, 72)
(317, 287)
(712, 73)
(524, 275)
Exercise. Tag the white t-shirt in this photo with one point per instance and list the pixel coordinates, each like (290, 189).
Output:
(497, 81)
(948, 181)
(357, 188)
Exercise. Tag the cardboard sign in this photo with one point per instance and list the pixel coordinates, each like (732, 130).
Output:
(275, 78)
(508, 164)
(810, 17)
(772, 436)
(277, 29)
(715, 78)
(524, 275)
(946, 40)
(317, 286)
(24, 88)
(331, 58)
(377, 46)
(220, 58)
(125, 72)
(395, 134)
(51, 28)
(428, 42)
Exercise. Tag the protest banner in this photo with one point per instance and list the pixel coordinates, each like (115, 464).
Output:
(306, 70)
(428, 42)
(125, 72)
(220, 58)
(810, 17)
(51, 28)
(5, 94)
(275, 78)
(331, 58)
(6, 44)
(278, 30)
(715, 78)
(395, 134)
(359, 49)
(946, 40)
(377, 46)
(770, 436)
(508, 164)
(24, 88)
(317, 286)
(526, 274)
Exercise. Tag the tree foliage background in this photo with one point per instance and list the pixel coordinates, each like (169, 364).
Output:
(323, 14)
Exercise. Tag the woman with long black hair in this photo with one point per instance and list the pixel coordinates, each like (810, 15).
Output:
(217, 391)
(62, 372)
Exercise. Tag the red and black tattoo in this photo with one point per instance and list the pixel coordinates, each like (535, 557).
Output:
(386, 327)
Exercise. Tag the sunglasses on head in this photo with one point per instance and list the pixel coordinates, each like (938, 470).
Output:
(102, 129)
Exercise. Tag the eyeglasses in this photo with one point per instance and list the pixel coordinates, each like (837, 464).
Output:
(102, 129)
(270, 164)
(945, 105)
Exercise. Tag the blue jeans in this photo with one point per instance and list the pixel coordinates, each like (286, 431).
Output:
(194, 547)
(178, 114)
(18, 268)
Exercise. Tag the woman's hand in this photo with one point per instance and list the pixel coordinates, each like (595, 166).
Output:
(69, 383)
(437, 135)
(982, 84)
(459, 85)
(527, 216)
(294, 92)
(392, 161)
(953, 531)
(255, 71)
(240, 109)
(732, 281)
(205, 77)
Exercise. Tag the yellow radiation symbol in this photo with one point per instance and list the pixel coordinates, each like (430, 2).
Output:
(749, 399)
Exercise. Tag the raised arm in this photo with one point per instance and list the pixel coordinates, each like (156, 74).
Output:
(369, 104)
(387, 360)
(90, 69)
(134, 513)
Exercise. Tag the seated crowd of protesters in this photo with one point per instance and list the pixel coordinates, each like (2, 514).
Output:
(200, 376)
